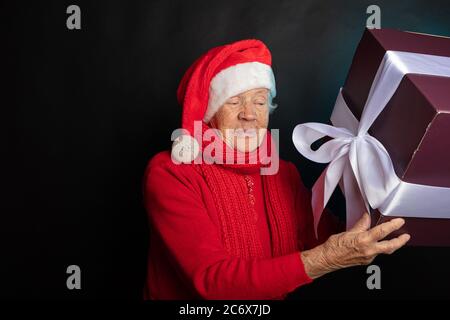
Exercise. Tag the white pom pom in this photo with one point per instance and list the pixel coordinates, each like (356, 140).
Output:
(185, 149)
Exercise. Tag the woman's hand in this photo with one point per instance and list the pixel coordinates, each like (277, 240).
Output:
(358, 246)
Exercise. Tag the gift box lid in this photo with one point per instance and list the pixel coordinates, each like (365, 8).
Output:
(414, 127)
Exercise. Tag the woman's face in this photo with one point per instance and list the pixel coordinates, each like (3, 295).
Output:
(243, 119)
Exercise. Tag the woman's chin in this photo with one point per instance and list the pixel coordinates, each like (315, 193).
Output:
(247, 144)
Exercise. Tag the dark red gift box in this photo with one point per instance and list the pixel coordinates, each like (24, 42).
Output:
(414, 127)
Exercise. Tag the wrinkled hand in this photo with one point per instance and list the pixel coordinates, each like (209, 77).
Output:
(358, 246)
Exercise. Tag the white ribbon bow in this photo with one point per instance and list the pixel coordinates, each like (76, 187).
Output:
(360, 161)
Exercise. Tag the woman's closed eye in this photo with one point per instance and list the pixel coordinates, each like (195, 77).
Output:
(233, 102)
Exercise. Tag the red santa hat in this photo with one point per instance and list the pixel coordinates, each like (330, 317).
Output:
(220, 73)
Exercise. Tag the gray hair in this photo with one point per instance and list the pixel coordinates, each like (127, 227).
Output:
(272, 105)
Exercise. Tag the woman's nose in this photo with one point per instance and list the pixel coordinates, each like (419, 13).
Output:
(248, 113)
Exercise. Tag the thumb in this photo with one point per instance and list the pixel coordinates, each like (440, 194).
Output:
(363, 224)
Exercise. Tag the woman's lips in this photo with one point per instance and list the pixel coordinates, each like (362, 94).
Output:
(244, 133)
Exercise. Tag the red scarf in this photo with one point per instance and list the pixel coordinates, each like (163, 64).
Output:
(232, 191)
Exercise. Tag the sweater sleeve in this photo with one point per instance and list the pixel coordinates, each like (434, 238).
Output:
(178, 215)
(329, 224)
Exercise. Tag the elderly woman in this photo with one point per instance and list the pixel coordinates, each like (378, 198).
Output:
(222, 229)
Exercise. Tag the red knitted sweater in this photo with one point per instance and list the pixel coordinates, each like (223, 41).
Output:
(201, 248)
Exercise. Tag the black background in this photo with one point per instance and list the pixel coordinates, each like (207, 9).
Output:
(84, 110)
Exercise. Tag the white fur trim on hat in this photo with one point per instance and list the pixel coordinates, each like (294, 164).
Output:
(235, 80)
(185, 149)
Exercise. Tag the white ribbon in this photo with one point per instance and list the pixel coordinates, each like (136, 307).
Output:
(360, 162)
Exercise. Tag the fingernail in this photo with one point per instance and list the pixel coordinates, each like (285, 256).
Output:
(400, 221)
